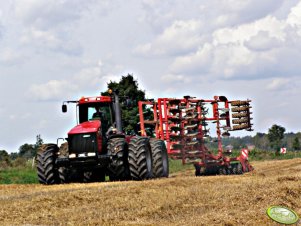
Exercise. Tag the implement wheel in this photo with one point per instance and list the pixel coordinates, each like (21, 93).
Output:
(140, 158)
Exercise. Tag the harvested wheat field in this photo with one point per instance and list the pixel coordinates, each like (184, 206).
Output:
(181, 199)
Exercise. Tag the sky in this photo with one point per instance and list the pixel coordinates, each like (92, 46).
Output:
(51, 51)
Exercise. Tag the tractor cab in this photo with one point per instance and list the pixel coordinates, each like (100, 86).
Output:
(88, 139)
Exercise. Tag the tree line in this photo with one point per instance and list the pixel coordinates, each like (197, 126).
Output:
(25, 152)
(275, 139)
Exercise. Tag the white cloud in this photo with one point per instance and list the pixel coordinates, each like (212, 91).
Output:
(262, 42)
(48, 26)
(44, 15)
(170, 78)
(255, 50)
(196, 63)
(181, 37)
(279, 84)
(294, 18)
(90, 78)
(50, 40)
(11, 57)
(52, 90)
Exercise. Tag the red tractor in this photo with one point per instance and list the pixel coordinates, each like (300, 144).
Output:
(97, 147)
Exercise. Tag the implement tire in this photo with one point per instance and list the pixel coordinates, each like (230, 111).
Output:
(118, 168)
(140, 158)
(47, 172)
(160, 158)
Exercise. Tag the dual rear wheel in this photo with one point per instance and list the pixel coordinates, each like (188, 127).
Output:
(141, 159)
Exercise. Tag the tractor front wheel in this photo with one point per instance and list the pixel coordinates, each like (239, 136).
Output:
(47, 172)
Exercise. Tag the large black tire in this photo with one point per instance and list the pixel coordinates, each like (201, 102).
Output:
(64, 172)
(160, 158)
(118, 168)
(140, 158)
(40, 168)
(47, 171)
(239, 168)
(64, 175)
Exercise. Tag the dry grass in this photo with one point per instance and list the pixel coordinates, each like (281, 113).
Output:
(179, 200)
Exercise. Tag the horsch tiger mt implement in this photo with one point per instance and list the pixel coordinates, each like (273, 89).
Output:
(183, 125)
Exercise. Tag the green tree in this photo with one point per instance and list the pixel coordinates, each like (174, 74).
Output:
(30, 150)
(26, 151)
(129, 93)
(275, 137)
(39, 142)
(14, 155)
(3, 155)
(4, 159)
(296, 144)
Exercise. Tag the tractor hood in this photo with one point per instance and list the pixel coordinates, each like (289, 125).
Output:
(86, 127)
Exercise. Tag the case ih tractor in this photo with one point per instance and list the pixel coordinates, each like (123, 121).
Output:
(97, 147)
(183, 124)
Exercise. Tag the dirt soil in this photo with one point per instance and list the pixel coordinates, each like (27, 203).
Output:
(181, 199)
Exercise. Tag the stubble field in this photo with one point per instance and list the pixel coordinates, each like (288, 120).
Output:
(181, 199)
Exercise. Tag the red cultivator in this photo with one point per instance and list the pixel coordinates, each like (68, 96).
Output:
(183, 124)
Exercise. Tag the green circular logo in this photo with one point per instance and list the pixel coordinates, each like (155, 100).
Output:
(282, 215)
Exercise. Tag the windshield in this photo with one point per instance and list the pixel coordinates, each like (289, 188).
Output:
(96, 111)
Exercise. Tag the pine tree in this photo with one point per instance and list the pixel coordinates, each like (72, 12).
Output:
(129, 95)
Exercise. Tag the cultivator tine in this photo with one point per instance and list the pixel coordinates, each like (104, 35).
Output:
(224, 109)
(192, 134)
(240, 109)
(240, 115)
(239, 102)
(239, 121)
(192, 143)
(189, 109)
(193, 126)
(240, 127)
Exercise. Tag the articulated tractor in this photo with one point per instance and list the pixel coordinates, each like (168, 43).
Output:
(97, 147)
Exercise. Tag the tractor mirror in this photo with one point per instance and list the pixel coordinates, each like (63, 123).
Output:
(64, 108)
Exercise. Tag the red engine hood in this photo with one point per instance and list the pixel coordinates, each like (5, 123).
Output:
(86, 127)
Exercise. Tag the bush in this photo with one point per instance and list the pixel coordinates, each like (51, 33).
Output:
(19, 162)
